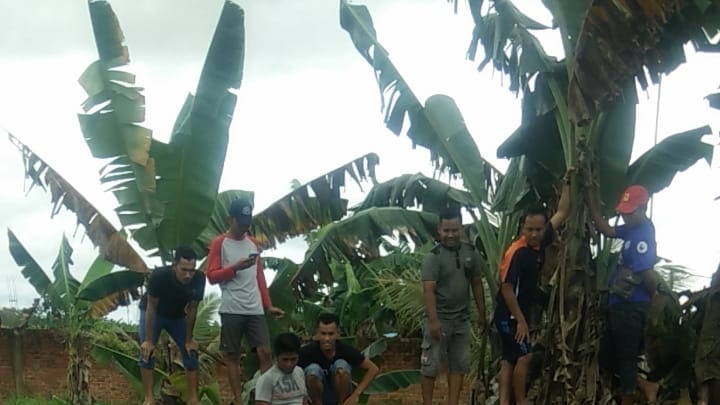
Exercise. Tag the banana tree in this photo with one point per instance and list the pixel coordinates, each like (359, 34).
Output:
(71, 304)
(580, 111)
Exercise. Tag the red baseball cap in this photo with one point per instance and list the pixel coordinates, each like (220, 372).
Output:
(632, 198)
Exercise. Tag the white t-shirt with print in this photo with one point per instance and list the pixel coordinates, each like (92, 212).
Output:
(278, 388)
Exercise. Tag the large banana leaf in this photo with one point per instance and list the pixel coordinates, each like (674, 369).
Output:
(190, 167)
(65, 285)
(358, 237)
(31, 270)
(438, 126)
(110, 284)
(296, 213)
(656, 168)
(282, 291)
(415, 190)
(110, 124)
(299, 212)
(622, 40)
(111, 243)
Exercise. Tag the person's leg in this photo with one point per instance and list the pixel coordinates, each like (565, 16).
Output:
(146, 367)
(510, 352)
(458, 355)
(429, 364)
(177, 330)
(519, 378)
(341, 377)
(649, 388)
(230, 345)
(258, 337)
(625, 322)
(314, 377)
(714, 392)
(505, 381)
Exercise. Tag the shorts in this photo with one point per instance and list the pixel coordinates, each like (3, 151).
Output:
(511, 350)
(453, 347)
(621, 344)
(235, 326)
(176, 329)
(328, 378)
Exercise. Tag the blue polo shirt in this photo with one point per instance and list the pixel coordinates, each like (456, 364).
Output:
(639, 253)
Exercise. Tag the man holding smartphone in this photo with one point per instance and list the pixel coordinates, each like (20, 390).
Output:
(234, 263)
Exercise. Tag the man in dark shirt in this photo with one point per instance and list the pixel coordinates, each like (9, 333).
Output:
(519, 273)
(171, 301)
(328, 365)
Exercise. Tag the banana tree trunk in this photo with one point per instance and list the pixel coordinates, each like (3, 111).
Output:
(569, 337)
(78, 378)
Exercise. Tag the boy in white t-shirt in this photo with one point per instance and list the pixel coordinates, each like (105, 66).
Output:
(284, 382)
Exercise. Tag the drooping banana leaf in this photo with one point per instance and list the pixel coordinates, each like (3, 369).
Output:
(190, 167)
(283, 292)
(392, 381)
(656, 168)
(108, 303)
(111, 283)
(438, 126)
(311, 205)
(127, 364)
(111, 243)
(415, 190)
(622, 40)
(307, 207)
(358, 238)
(110, 123)
(31, 270)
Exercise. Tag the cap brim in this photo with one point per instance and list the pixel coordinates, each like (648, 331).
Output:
(626, 208)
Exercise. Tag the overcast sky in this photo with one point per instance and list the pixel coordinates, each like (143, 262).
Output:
(308, 103)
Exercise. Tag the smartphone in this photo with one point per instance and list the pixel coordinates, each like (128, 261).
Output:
(253, 255)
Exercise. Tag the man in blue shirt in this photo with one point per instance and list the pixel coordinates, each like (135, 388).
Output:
(632, 285)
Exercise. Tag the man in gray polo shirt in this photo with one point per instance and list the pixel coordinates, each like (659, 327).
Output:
(448, 272)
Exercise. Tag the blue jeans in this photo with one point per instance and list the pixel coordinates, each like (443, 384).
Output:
(328, 378)
(176, 329)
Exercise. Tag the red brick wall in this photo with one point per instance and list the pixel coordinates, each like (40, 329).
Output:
(45, 372)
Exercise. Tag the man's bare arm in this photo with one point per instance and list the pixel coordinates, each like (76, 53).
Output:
(371, 370)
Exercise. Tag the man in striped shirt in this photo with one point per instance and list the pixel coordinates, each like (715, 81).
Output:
(234, 263)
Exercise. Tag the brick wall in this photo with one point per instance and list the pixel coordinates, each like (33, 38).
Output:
(45, 364)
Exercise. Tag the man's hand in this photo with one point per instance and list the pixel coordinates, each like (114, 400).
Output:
(191, 346)
(276, 312)
(147, 350)
(436, 329)
(243, 264)
(352, 399)
(522, 332)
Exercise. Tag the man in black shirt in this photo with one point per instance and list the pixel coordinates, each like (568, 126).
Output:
(519, 274)
(171, 301)
(328, 364)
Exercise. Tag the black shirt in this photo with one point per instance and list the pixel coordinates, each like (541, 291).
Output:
(312, 353)
(172, 295)
(523, 274)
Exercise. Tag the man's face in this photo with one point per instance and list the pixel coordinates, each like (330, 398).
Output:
(286, 362)
(238, 226)
(449, 232)
(533, 229)
(327, 334)
(634, 217)
(184, 270)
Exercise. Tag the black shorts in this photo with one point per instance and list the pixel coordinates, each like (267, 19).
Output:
(234, 327)
(511, 350)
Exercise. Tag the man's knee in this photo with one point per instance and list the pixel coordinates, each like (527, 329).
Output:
(340, 367)
(231, 358)
(263, 352)
(313, 372)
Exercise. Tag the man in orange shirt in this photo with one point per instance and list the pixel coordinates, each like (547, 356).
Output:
(519, 273)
